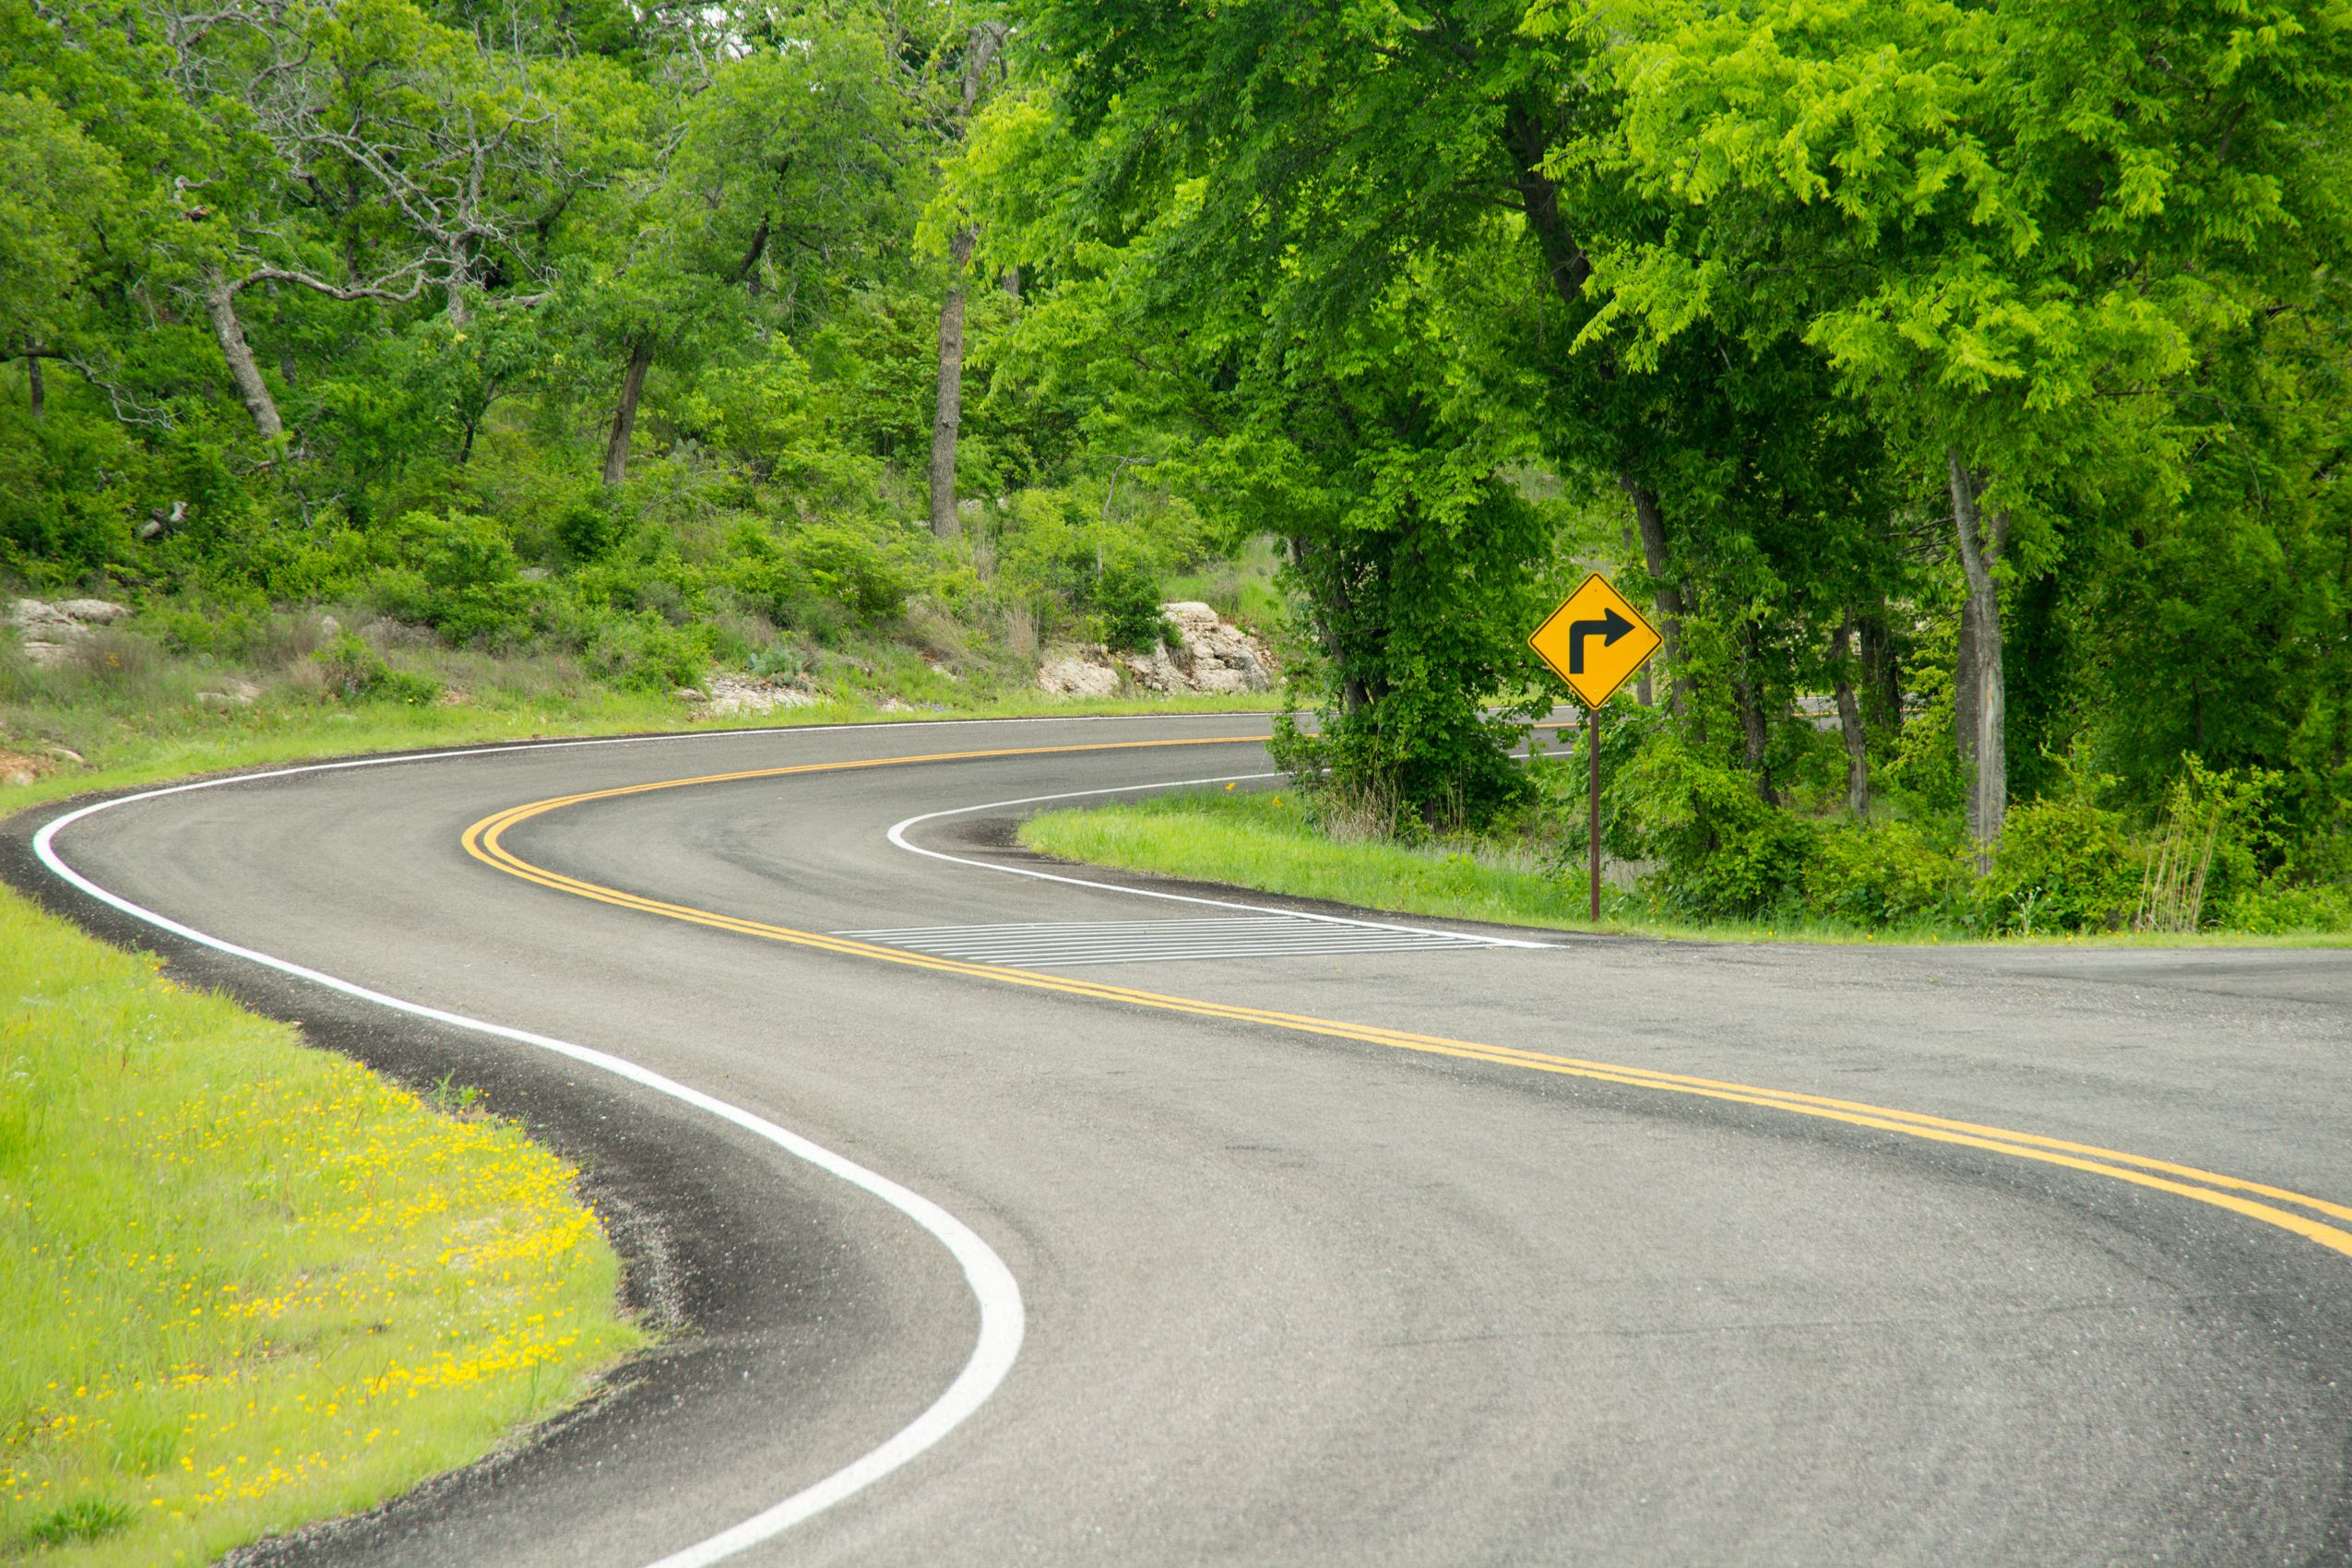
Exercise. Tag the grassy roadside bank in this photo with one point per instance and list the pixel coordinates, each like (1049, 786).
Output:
(245, 1284)
(1266, 840)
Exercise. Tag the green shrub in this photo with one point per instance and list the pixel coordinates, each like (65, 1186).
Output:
(1881, 873)
(645, 653)
(229, 625)
(868, 569)
(457, 573)
(587, 528)
(1722, 851)
(356, 672)
(1127, 604)
(1060, 555)
(821, 576)
(69, 489)
(2273, 909)
(2063, 864)
(275, 558)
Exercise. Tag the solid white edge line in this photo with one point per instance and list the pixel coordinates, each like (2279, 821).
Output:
(1002, 1321)
(898, 836)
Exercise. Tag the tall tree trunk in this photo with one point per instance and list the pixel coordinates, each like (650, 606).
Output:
(1322, 599)
(625, 413)
(949, 415)
(1755, 733)
(461, 272)
(1849, 719)
(1652, 527)
(1964, 691)
(981, 47)
(221, 308)
(1981, 543)
(36, 391)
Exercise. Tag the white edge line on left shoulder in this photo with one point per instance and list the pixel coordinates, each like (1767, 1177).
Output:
(1002, 1321)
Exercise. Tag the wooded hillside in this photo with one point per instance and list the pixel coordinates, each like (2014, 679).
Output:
(1964, 383)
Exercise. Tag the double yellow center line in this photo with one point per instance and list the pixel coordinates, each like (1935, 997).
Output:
(2304, 1215)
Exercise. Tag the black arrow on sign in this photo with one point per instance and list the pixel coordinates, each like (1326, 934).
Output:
(1608, 628)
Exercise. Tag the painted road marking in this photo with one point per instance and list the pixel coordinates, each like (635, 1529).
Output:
(1056, 944)
(2253, 1200)
(898, 831)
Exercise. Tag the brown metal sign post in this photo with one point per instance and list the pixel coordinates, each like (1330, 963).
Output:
(1592, 834)
(1594, 669)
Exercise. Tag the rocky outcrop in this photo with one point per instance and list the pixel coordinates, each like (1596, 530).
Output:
(230, 692)
(1210, 655)
(726, 694)
(49, 630)
(1087, 673)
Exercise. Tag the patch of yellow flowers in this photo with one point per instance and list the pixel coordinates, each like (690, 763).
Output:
(243, 1284)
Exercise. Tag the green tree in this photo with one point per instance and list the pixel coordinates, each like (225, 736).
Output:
(2012, 232)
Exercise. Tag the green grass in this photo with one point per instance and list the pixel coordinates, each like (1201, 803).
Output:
(1266, 840)
(244, 1284)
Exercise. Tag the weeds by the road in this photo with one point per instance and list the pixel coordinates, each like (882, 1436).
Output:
(1272, 842)
(244, 1284)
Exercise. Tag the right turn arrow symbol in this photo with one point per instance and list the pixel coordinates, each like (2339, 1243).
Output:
(1608, 628)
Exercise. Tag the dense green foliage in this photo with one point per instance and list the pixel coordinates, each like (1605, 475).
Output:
(1964, 383)
(595, 333)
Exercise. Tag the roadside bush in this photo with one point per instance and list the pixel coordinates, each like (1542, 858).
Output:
(2272, 908)
(354, 672)
(2063, 864)
(2236, 810)
(587, 527)
(870, 570)
(649, 577)
(1078, 570)
(818, 577)
(230, 625)
(255, 555)
(69, 487)
(1881, 873)
(1722, 851)
(645, 653)
(1127, 604)
(459, 576)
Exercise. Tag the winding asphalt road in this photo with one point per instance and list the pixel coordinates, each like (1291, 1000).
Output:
(1595, 1251)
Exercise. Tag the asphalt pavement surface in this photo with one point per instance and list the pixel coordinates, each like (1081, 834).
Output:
(1435, 1285)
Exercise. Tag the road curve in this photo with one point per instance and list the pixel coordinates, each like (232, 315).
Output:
(1297, 1294)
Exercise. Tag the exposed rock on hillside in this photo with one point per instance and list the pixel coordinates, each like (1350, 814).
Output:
(732, 693)
(1211, 656)
(1087, 673)
(51, 630)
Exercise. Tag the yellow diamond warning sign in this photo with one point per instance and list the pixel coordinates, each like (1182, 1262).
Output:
(1595, 640)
